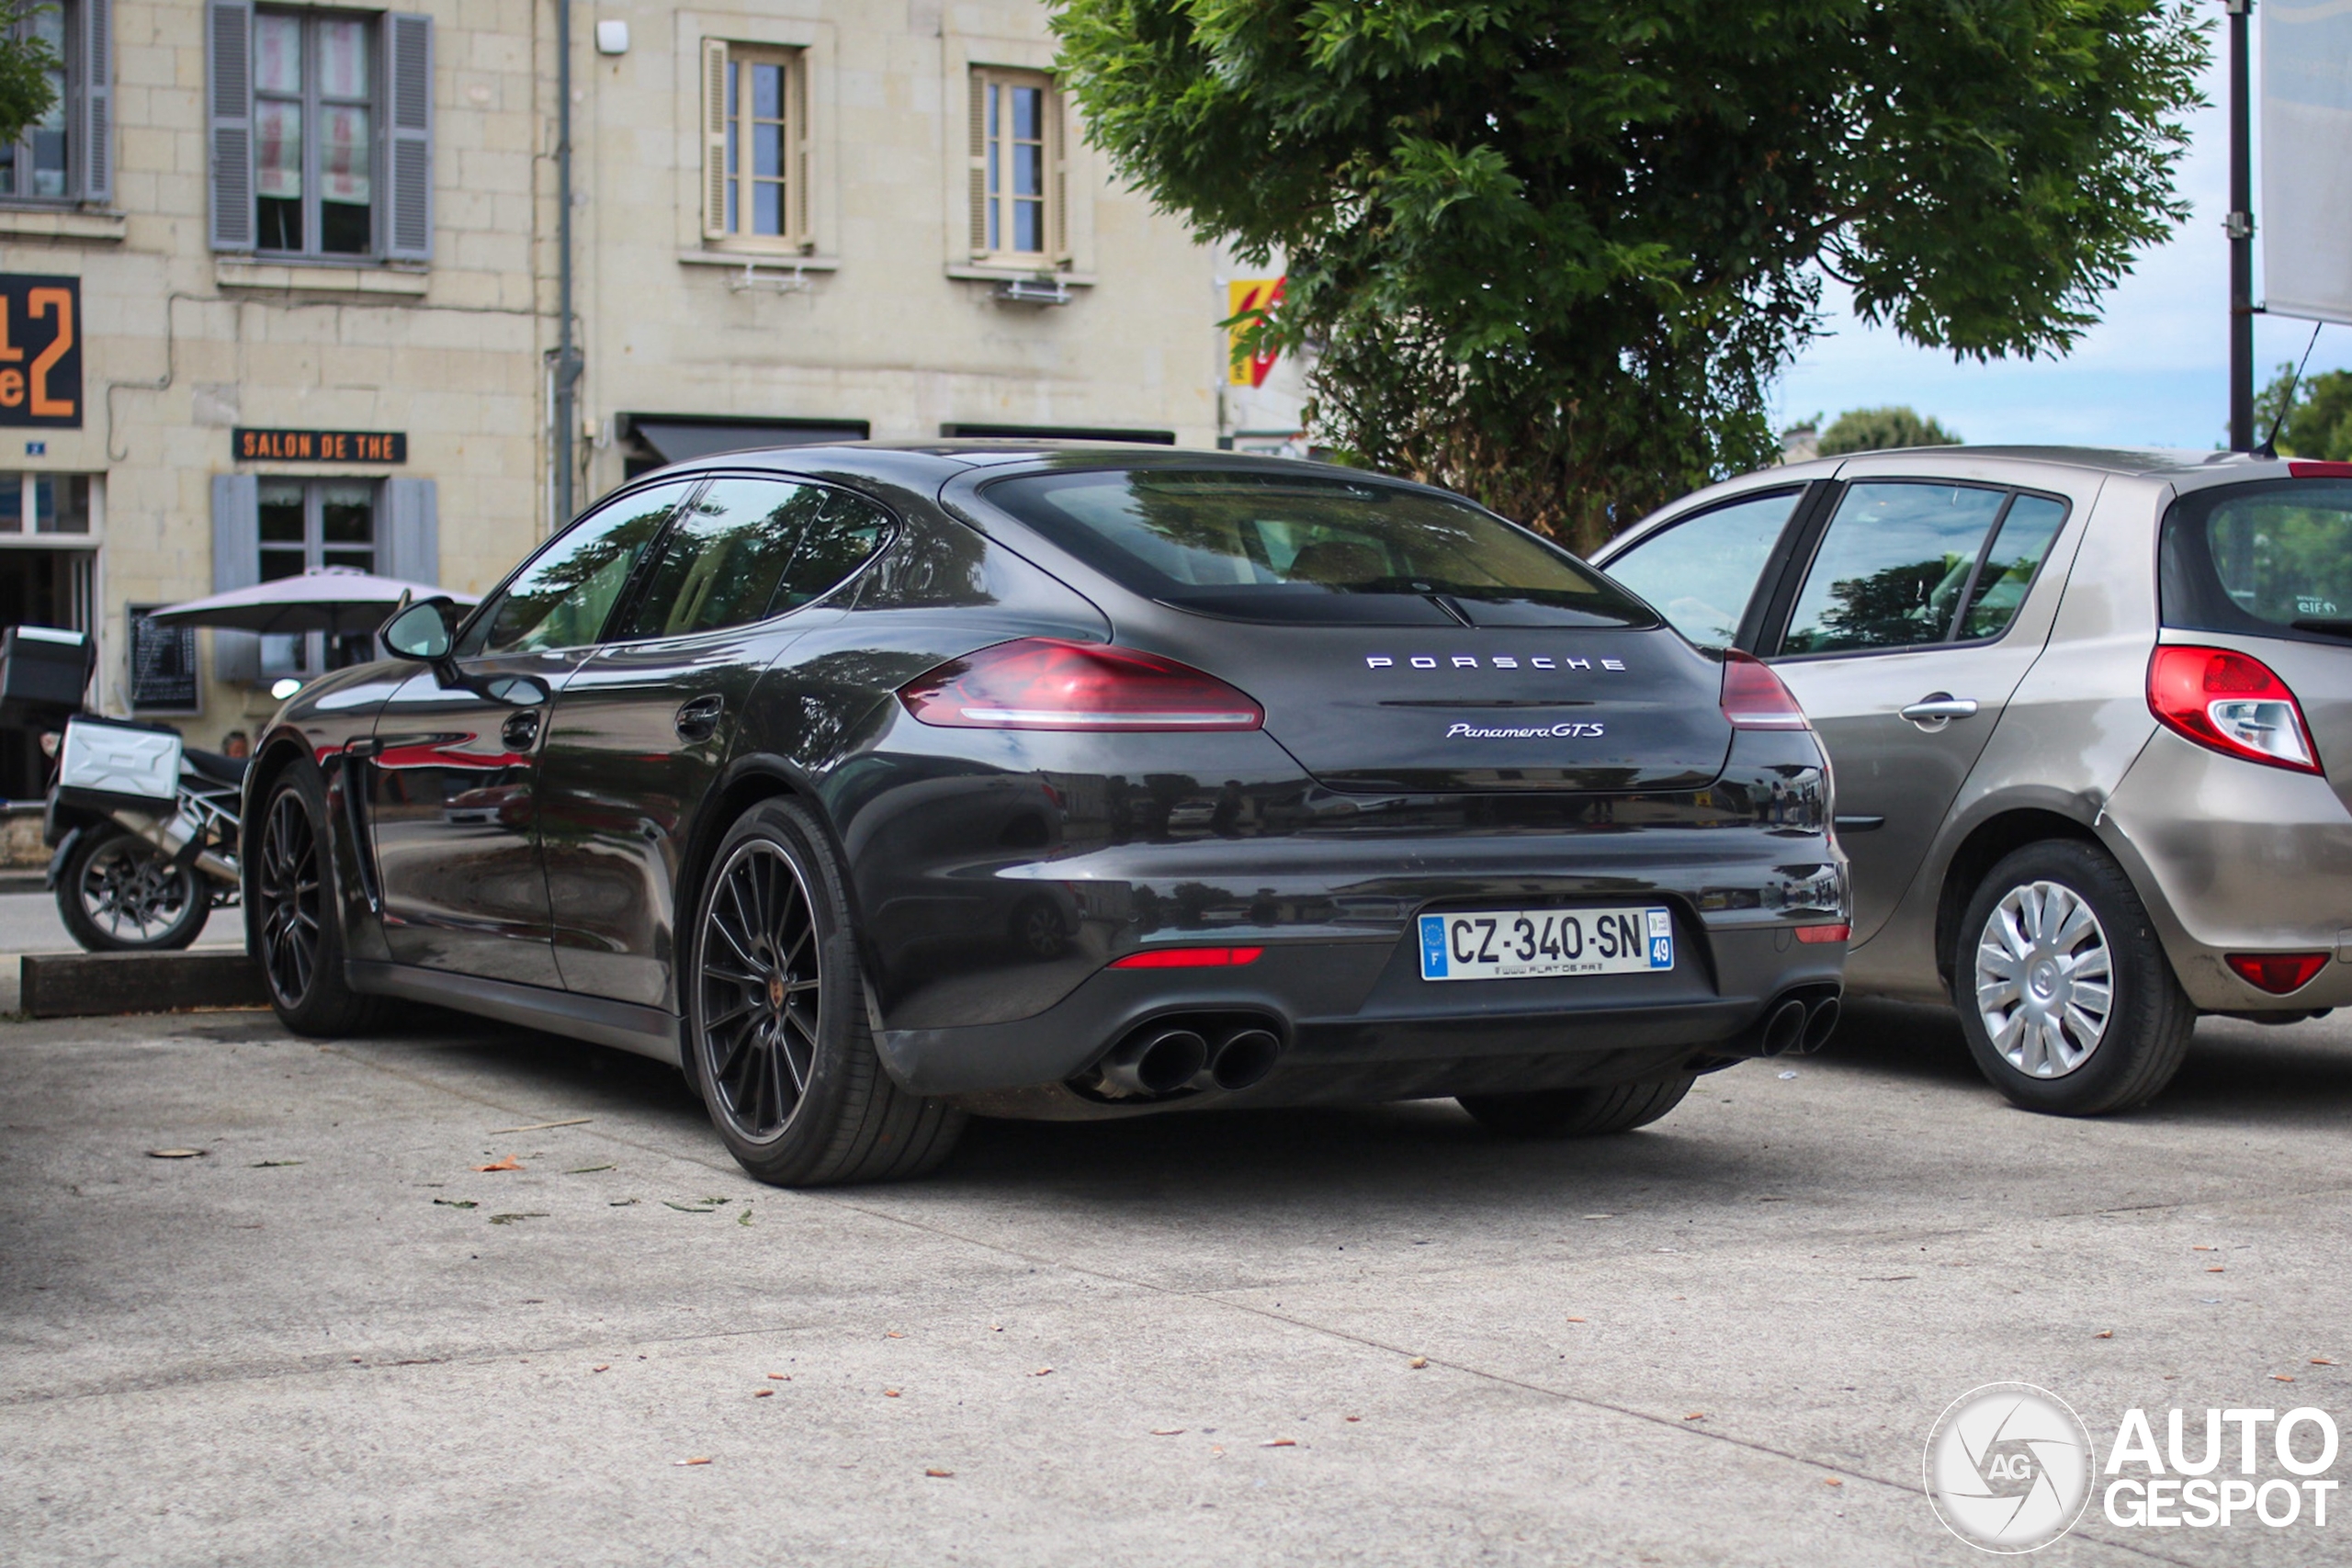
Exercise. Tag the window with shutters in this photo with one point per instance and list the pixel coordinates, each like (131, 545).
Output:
(66, 155)
(321, 133)
(755, 147)
(1017, 179)
(306, 525)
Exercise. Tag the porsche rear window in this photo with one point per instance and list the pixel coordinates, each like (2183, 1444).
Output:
(1268, 547)
(2270, 560)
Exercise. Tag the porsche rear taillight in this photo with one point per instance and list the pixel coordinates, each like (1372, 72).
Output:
(1046, 683)
(1754, 698)
(2231, 703)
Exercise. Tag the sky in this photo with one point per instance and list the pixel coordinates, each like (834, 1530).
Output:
(2154, 372)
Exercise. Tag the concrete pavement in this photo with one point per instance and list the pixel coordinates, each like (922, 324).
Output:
(303, 1345)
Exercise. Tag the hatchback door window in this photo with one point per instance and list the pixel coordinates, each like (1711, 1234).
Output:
(1892, 568)
(2264, 561)
(750, 548)
(1700, 572)
(567, 593)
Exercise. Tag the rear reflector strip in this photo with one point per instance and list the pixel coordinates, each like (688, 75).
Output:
(2319, 470)
(1824, 933)
(2277, 972)
(1189, 958)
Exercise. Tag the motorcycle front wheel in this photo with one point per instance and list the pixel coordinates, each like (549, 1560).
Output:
(118, 894)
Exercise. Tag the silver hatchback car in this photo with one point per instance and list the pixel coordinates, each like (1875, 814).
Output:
(2091, 718)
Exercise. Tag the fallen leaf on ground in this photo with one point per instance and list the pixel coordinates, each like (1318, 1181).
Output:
(2201, 1249)
(509, 1163)
(889, 1393)
(2280, 1377)
(1043, 1372)
(457, 1203)
(1355, 1418)
(939, 1474)
(1215, 1452)
(602, 1367)
(1280, 1443)
(543, 1126)
(744, 1218)
(622, 1202)
(2104, 1334)
(764, 1394)
(274, 1164)
(686, 1208)
(695, 1460)
(510, 1219)
(2322, 1361)
(1696, 1415)
(2216, 1268)
(893, 1334)
(1831, 1480)
(588, 1171)
(1575, 1320)
(1168, 1431)
(1418, 1363)
(779, 1376)
(176, 1154)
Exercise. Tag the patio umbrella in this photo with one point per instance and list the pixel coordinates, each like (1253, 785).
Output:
(334, 599)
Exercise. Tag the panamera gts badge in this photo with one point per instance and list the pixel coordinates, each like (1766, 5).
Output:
(1493, 661)
(1579, 729)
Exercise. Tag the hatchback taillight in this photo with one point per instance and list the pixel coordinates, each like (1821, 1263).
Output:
(1045, 684)
(1754, 697)
(2231, 703)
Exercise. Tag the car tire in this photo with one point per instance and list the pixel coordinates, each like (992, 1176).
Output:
(1579, 1113)
(120, 872)
(295, 917)
(795, 1087)
(2067, 1001)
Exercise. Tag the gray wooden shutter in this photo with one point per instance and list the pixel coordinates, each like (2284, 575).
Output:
(979, 149)
(229, 98)
(411, 546)
(408, 161)
(236, 563)
(92, 144)
(714, 67)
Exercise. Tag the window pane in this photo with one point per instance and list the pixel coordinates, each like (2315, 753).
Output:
(1028, 113)
(767, 91)
(342, 155)
(347, 513)
(1028, 226)
(767, 151)
(721, 562)
(564, 596)
(1702, 573)
(2260, 560)
(1890, 571)
(281, 512)
(12, 504)
(278, 563)
(343, 59)
(2016, 556)
(277, 53)
(840, 541)
(277, 148)
(48, 133)
(767, 208)
(1028, 170)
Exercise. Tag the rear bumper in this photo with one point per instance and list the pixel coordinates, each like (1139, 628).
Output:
(2235, 857)
(1358, 1022)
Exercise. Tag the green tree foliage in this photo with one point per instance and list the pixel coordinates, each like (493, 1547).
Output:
(25, 90)
(2319, 426)
(1551, 252)
(1877, 430)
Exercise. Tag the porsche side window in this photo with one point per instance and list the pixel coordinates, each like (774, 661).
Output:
(567, 593)
(749, 548)
(840, 541)
(1891, 569)
(1700, 572)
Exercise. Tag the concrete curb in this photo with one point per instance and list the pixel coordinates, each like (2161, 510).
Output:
(83, 984)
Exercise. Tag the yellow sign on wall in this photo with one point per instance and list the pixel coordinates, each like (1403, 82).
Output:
(1248, 297)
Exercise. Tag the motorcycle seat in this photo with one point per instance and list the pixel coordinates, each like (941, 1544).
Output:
(212, 765)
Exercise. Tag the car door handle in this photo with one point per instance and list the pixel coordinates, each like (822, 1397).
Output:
(1938, 708)
(520, 730)
(698, 720)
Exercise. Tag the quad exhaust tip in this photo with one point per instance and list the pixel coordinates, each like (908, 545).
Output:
(1784, 1030)
(1174, 1057)
(1240, 1059)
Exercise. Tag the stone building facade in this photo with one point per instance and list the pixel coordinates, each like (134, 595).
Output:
(310, 257)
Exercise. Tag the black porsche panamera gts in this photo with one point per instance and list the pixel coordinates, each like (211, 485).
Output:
(879, 785)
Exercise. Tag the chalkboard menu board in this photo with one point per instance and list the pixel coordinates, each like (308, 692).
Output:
(163, 665)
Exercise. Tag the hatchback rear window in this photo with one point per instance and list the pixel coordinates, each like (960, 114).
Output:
(2269, 559)
(1279, 547)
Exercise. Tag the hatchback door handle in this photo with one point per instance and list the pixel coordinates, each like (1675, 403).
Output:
(1937, 709)
(520, 730)
(698, 720)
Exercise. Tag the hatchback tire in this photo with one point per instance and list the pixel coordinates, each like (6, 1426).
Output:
(2067, 1001)
(778, 1040)
(1579, 1113)
(294, 918)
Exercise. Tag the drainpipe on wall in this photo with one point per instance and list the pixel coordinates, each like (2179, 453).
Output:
(567, 354)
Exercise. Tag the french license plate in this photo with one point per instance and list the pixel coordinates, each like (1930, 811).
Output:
(1519, 944)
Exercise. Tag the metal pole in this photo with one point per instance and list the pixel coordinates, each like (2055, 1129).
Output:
(567, 354)
(2240, 226)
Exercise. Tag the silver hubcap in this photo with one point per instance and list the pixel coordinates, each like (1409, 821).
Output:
(2044, 987)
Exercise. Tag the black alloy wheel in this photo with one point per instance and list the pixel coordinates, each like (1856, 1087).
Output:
(779, 1042)
(119, 894)
(291, 918)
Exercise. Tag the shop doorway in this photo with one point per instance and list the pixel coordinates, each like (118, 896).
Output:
(40, 587)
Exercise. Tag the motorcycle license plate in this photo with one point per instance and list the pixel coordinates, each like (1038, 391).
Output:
(1522, 944)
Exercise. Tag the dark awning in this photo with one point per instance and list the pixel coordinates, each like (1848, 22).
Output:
(675, 438)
